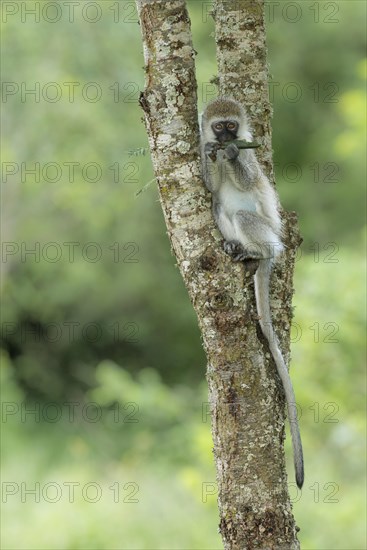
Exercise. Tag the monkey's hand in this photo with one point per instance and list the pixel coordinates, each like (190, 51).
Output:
(211, 150)
(231, 151)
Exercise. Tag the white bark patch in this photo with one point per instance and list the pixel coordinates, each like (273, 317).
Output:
(183, 147)
(164, 140)
(185, 38)
(173, 126)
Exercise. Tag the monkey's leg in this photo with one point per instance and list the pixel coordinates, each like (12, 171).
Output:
(258, 241)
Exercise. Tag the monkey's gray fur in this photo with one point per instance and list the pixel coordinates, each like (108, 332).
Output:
(245, 208)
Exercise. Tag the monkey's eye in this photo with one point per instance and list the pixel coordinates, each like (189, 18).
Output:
(231, 125)
(218, 126)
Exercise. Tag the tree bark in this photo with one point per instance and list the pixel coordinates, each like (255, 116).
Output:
(244, 391)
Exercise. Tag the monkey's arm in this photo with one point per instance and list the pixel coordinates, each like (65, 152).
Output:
(245, 166)
(210, 169)
(251, 177)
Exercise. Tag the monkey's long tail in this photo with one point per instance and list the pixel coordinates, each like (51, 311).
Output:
(262, 279)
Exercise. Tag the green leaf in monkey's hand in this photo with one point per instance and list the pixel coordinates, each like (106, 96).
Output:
(240, 144)
(211, 148)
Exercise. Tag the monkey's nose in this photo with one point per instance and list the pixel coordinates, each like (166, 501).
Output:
(225, 136)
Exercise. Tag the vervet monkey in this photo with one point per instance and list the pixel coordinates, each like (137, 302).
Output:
(245, 208)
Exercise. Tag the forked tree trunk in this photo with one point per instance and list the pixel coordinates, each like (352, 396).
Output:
(244, 392)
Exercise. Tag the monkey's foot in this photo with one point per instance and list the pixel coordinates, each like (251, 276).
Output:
(233, 249)
(251, 254)
(241, 254)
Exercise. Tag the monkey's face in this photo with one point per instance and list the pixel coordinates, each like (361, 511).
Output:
(225, 130)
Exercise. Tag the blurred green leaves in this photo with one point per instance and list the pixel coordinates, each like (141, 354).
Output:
(84, 189)
(118, 331)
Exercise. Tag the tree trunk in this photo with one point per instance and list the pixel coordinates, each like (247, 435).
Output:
(244, 391)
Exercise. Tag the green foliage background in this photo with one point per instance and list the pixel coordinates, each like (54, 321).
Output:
(135, 350)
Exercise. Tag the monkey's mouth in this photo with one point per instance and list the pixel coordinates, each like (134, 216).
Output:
(226, 136)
